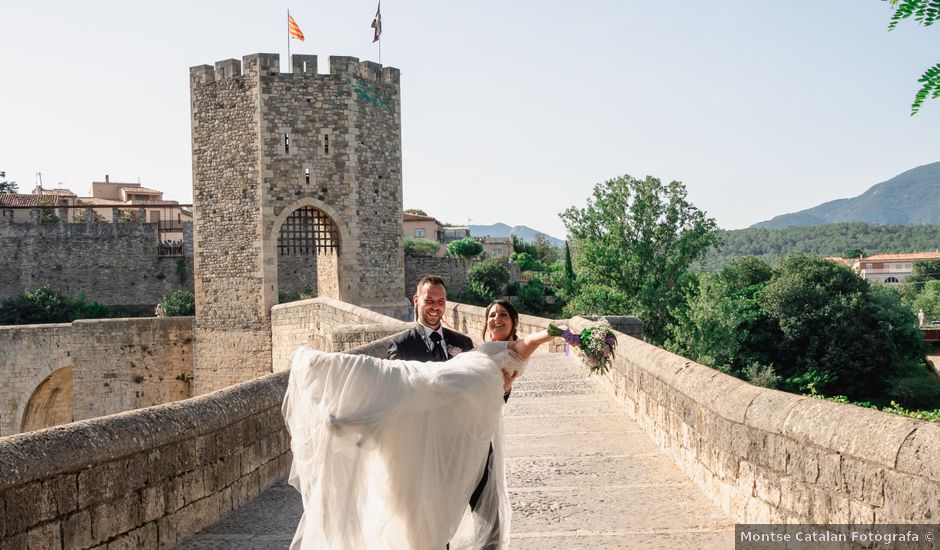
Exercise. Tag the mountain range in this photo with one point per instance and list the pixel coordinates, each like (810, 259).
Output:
(521, 232)
(910, 198)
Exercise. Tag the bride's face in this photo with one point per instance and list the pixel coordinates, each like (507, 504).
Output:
(499, 323)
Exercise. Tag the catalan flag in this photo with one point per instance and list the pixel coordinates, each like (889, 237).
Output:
(293, 29)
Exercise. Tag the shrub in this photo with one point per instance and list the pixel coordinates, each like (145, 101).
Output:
(464, 248)
(421, 247)
(47, 305)
(285, 296)
(180, 303)
(490, 275)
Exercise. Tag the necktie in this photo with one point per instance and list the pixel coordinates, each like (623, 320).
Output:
(437, 352)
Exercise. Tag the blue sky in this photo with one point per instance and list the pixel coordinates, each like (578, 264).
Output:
(511, 111)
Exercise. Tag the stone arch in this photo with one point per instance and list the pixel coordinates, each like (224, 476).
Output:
(49, 404)
(307, 238)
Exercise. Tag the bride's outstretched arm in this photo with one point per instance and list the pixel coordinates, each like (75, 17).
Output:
(525, 347)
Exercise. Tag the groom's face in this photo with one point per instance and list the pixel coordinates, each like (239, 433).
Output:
(430, 303)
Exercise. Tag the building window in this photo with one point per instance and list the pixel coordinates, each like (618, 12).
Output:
(497, 251)
(419, 232)
(892, 280)
(286, 144)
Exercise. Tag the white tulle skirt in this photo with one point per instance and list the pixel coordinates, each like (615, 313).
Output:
(387, 453)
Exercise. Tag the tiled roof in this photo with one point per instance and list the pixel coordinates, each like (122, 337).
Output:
(92, 201)
(145, 190)
(22, 199)
(409, 217)
(60, 192)
(909, 257)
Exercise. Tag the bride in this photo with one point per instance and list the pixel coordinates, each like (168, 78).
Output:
(388, 452)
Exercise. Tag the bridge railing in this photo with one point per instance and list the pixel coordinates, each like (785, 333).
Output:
(767, 456)
(146, 478)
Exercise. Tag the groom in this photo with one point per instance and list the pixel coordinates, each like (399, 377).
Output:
(431, 341)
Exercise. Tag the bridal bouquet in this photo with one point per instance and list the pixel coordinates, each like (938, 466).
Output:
(596, 344)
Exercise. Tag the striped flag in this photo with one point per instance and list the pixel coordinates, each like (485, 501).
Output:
(377, 23)
(293, 29)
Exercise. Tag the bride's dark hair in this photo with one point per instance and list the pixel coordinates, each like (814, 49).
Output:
(513, 315)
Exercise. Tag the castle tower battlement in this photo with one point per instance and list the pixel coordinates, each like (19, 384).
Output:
(292, 171)
(269, 64)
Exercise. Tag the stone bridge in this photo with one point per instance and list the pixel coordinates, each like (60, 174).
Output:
(662, 451)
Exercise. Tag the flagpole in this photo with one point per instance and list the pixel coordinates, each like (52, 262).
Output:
(289, 64)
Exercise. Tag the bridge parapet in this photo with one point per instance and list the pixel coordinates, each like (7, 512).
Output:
(771, 457)
(146, 478)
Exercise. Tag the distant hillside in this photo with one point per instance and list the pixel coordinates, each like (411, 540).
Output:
(906, 199)
(522, 232)
(826, 240)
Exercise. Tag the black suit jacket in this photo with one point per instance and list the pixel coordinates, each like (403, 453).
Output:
(411, 347)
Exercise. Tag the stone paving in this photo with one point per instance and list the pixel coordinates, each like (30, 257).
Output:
(582, 475)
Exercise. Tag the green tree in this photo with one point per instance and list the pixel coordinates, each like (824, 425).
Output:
(532, 297)
(926, 13)
(922, 272)
(95, 217)
(129, 216)
(545, 251)
(526, 261)
(636, 241)
(180, 303)
(835, 332)
(853, 253)
(491, 276)
(416, 211)
(7, 186)
(466, 247)
(421, 247)
(725, 327)
(929, 300)
(47, 305)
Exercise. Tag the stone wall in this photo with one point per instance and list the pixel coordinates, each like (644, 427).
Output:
(325, 324)
(148, 478)
(113, 263)
(771, 457)
(454, 271)
(297, 274)
(116, 365)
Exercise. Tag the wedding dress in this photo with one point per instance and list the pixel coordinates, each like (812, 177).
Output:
(388, 452)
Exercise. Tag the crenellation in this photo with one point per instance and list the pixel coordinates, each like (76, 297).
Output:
(305, 65)
(391, 75)
(370, 70)
(228, 68)
(341, 65)
(202, 74)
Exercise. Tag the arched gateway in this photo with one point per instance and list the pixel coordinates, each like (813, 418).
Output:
(293, 173)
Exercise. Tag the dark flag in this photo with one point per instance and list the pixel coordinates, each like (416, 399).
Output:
(377, 23)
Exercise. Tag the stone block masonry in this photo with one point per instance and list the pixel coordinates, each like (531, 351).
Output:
(114, 263)
(266, 146)
(110, 365)
(149, 478)
(771, 457)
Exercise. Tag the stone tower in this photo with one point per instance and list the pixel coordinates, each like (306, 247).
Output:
(294, 170)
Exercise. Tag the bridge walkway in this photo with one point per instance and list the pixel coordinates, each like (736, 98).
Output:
(581, 473)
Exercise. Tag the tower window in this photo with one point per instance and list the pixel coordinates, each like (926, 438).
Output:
(286, 144)
(307, 175)
(326, 144)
